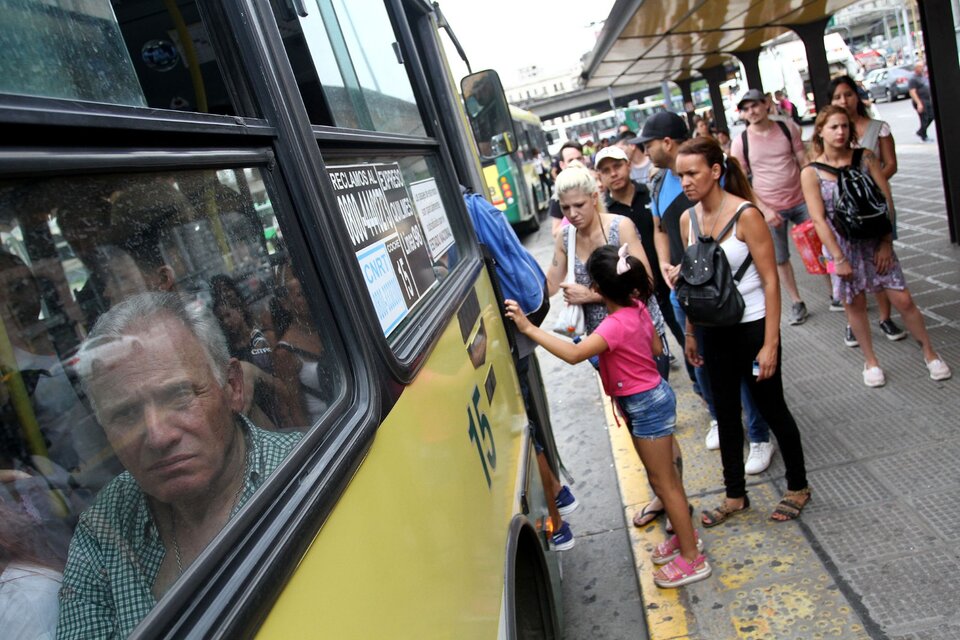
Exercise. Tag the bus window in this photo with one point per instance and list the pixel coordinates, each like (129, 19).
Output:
(141, 53)
(159, 361)
(348, 67)
(397, 216)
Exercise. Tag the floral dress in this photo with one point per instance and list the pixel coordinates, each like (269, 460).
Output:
(594, 313)
(859, 254)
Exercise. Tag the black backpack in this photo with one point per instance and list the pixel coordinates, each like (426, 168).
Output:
(860, 209)
(706, 289)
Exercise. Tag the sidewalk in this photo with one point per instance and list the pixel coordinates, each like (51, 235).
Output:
(874, 554)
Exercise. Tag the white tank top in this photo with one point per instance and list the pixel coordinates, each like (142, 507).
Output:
(750, 286)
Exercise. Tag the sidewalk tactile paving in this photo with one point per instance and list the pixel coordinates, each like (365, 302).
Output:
(875, 530)
(941, 633)
(901, 591)
(803, 609)
(843, 487)
(921, 471)
(940, 511)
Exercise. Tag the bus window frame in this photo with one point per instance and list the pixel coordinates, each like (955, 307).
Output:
(298, 492)
(403, 354)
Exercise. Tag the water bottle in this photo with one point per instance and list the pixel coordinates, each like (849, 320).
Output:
(594, 360)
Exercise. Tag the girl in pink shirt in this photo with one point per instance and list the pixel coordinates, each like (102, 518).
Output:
(627, 343)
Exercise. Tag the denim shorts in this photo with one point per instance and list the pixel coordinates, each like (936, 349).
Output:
(650, 414)
(781, 234)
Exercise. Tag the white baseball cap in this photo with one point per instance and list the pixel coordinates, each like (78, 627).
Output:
(612, 152)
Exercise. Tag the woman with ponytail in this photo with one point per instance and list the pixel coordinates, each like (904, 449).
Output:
(748, 351)
(627, 343)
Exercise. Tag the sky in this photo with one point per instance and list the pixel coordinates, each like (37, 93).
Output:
(508, 35)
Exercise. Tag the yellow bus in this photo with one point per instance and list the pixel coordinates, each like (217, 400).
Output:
(281, 182)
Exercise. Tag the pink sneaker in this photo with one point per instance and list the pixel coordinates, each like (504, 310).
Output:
(938, 369)
(680, 572)
(873, 377)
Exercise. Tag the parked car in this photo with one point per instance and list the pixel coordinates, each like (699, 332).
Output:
(888, 84)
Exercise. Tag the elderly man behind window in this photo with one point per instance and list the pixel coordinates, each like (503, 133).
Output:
(160, 379)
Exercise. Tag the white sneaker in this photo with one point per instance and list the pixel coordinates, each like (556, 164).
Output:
(873, 377)
(938, 370)
(759, 458)
(713, 437)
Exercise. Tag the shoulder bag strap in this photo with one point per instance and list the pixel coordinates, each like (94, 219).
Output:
(786, 131)
(857, 160)
(749, 259)
(571, 253)
(746, 154)
(820, 165)
(694, 226)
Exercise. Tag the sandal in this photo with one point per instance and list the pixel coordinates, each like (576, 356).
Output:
(789, 508)
(645, 517)
(679, 572)
(670, 549)
(669, 525)
(716, 516)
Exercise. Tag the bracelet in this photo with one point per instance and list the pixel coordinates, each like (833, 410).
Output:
(840, 260)
(690, 334)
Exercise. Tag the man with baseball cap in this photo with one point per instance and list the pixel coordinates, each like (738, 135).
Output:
(631, 200)
(772, 154)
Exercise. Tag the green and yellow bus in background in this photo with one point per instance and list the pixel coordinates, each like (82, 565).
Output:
(294, 168)
(512, 179)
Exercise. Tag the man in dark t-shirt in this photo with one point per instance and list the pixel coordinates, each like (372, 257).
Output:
(919, 87)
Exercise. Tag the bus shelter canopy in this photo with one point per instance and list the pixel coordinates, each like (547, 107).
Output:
(644, 42)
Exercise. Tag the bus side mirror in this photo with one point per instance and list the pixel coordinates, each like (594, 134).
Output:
(489, 114)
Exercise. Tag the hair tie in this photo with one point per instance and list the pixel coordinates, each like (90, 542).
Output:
(622, 265)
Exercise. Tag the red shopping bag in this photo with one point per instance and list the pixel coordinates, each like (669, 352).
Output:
(811, 249)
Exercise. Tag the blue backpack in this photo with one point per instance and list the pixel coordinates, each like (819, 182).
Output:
(521, 278)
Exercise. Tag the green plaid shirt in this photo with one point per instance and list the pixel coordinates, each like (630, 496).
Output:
(116, 551)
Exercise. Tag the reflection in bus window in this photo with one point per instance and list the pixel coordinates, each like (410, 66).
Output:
(141, 53)
(348, 79)
(138, 379)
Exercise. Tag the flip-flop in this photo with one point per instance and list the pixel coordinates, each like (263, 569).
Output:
(645, 517)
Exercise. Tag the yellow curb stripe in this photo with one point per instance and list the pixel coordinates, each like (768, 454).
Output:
(666, 616)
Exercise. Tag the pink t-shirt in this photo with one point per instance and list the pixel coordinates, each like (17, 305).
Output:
(773, 162)
(627, 366)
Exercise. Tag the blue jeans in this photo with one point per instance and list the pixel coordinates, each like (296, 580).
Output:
(650, 414)
(757, 428)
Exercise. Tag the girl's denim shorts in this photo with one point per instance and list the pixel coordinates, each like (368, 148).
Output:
(650, 414)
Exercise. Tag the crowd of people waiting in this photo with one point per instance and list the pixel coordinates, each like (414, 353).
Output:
(640, 205)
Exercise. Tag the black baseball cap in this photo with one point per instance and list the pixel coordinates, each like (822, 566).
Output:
(753, 95)
(663, 124)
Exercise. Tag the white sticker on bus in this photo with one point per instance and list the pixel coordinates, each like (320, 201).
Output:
(433, 217)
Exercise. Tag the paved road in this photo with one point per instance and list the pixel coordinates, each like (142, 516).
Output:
(875, 554)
